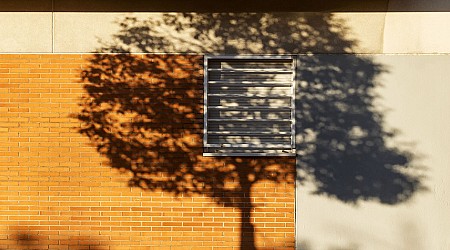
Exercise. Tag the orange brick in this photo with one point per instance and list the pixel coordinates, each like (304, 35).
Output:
(61, 186)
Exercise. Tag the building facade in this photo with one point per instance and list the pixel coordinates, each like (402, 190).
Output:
(103, 130)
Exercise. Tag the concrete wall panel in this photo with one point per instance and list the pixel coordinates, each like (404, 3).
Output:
(365, 28)
(373, 32)
(80, 32)
(414, 99)
(26, 32)
(425, 32)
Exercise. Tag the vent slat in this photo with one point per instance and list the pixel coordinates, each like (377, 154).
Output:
(249, 107)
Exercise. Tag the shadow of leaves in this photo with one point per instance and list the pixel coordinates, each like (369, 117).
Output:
(145, 111)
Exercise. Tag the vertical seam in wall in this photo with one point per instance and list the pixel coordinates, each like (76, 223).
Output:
(383, 33)
(384, 26)
(53, 27)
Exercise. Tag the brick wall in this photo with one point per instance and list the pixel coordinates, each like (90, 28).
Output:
(104, 152)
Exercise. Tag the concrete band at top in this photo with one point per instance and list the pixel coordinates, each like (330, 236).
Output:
(369, 32)
(222, 6)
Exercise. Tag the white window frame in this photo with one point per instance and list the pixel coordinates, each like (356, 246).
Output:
(272, 149)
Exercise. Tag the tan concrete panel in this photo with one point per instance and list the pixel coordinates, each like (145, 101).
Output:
(82, 32)
(365, 28)
(25, 32)
(424, 32)
(249, 33)
(414, 97)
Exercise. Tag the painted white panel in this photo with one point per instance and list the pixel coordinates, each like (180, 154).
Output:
(26, 32)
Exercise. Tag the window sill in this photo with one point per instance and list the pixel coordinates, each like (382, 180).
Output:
(247, 154)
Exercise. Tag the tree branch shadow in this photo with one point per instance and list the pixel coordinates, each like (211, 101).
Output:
(145, 111)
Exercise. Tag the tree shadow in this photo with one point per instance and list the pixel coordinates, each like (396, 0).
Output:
(342, 143)
(26, 240)
(145, 111)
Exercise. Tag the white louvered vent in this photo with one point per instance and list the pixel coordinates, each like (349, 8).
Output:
(249, 105)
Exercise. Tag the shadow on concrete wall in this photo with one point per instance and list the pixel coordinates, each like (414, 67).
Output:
(144, 112)
(342, 144)
(305, 245)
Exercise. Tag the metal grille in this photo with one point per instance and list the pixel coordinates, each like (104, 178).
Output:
(249, 105)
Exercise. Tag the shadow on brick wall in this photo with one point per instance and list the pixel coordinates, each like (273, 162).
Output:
(26, 241)
(144, 111)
